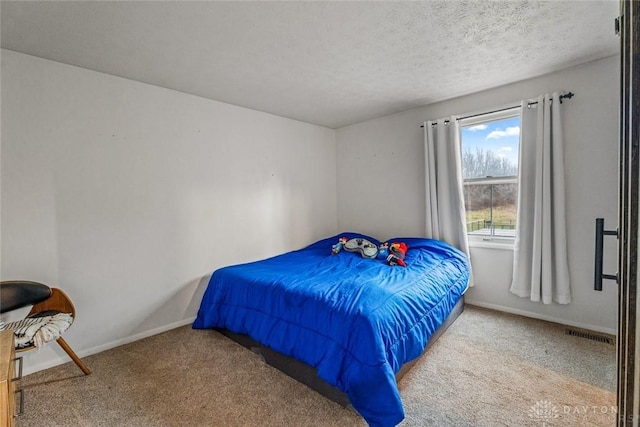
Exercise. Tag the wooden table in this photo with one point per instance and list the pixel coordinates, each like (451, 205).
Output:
(7, 379)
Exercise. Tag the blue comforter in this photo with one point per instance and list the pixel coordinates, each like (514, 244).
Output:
(356, 320)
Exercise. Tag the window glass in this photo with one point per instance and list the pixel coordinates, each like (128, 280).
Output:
(490, 150)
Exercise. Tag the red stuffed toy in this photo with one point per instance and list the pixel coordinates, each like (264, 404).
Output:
(338, 246)
(397, 252)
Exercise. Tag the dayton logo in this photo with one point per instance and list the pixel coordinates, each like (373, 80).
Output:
(544, 411)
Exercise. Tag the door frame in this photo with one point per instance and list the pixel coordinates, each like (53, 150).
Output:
(628, 353)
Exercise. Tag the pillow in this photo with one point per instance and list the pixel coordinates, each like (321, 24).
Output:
(363, 246)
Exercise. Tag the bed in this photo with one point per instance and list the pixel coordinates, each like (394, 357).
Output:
(354, 321)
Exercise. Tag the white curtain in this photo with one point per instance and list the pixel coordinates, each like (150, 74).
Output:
(540, 267)
(445, 215)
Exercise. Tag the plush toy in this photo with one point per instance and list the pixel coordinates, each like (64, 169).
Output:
(338, 246)
(383, 250)
(397, 252)
(362, 246)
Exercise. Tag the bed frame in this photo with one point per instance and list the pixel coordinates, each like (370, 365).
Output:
(307, 375)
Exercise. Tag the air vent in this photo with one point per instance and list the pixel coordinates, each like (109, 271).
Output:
(591, 336)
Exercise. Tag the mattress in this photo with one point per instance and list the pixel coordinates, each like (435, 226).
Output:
(356, 320)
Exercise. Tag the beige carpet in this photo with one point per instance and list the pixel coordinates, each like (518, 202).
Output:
(488, 369)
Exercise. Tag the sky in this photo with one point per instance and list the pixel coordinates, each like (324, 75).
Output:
(500, 136)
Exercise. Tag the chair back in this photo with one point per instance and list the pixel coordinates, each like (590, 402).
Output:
(16, 294)
(58, 302)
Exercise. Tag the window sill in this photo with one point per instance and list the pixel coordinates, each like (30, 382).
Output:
(491, 243)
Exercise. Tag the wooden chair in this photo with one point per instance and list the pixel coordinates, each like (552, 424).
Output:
(46, 301)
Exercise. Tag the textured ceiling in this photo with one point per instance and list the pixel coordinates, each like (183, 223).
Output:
(329, 63)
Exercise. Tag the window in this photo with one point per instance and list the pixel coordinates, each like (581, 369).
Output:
(490, 149)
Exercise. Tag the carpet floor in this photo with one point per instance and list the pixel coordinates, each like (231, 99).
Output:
(488, 369)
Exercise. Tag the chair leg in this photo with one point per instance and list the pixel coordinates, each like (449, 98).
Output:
(73, 356)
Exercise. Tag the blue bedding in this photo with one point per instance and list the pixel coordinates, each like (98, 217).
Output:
(356, 320)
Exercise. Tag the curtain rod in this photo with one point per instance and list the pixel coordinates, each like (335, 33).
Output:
(566, 95)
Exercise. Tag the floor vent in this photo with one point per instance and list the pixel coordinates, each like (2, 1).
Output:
(591, 336)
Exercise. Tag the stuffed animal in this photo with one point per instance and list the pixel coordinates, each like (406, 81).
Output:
(397, 252)
(383, 250)
(338, 246)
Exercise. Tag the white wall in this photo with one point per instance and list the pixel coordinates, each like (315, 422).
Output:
(381, 186)
(124, 194)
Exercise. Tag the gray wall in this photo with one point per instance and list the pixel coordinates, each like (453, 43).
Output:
(380, 167)
(125, 194)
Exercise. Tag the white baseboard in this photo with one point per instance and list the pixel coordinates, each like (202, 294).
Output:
(543, 317)
(30, 369)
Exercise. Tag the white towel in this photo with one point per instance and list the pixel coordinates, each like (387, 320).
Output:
(38, 331)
